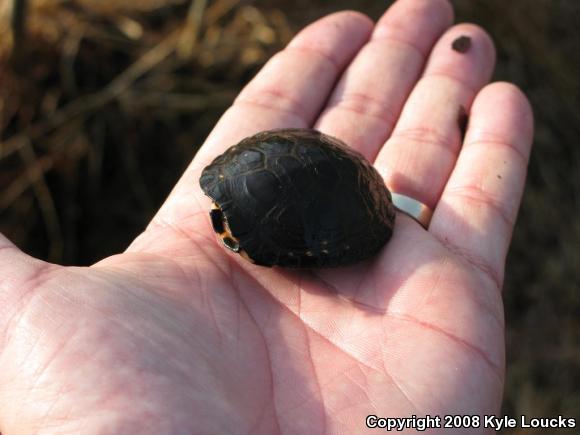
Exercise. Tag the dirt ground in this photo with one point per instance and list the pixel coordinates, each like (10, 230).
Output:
(117, 93)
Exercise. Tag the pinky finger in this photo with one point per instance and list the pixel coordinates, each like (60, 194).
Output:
(477, 210)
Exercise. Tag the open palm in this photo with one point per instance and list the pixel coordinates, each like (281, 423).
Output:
(177, 335)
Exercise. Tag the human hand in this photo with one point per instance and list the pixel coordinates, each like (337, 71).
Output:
(178, 335)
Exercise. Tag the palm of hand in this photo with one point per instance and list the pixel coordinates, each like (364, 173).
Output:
(176, 335)
(210, 340)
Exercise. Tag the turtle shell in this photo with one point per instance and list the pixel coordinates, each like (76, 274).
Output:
(298, 198)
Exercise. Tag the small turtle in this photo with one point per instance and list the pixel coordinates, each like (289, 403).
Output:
(298, 198)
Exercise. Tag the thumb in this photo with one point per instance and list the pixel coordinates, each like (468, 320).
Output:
(19, 275)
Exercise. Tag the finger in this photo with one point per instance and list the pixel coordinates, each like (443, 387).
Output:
(419, 156)
(368, 99)
(289, 91)
(476, 214)
(19, 273)
(11, 261)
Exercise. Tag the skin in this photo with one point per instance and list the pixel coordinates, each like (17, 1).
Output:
(177, 335)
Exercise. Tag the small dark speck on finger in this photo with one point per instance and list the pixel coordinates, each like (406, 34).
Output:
(461, 44)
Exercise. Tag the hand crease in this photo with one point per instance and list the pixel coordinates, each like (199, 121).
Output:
(269, 106)
(315, 375)
(366, 105)
(427, 135)
(480, 196)
(394, 381)
(389, 38)
(266, 347)
(310, 50)
(453, 337)
(486, 139)
(278, 99)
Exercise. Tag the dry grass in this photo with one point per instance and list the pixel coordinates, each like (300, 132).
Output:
(109, 91)
(96, 95)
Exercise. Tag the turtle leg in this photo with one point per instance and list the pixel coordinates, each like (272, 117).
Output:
(217, 219)
(221, 227)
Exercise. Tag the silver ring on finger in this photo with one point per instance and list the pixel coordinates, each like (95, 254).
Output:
(415, 209)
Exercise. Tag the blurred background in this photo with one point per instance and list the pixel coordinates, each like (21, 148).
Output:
(104, 102)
